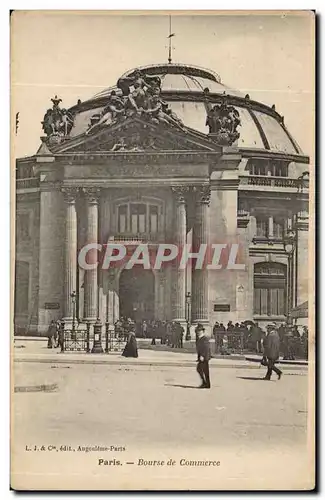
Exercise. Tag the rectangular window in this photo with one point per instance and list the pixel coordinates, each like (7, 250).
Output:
(269, 301)
(257, 301)
(279, 169)
(273, 301)
(142, 223)
(138, 218)
(122, 226)
(258, 169)
(153, 219)
(278, 228)
(261, 227)
(281, 302)
(264, 301)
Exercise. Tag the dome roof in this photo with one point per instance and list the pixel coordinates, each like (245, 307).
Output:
(181, 77)
(186, 89)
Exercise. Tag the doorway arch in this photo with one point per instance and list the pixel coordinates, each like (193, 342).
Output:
(137, 294)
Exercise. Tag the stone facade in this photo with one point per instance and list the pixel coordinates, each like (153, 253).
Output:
(154, 182)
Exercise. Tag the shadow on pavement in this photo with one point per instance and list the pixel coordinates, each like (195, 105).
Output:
(253, 378)
(183, 386)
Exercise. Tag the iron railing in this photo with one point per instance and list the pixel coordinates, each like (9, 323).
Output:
(28, 182)
(138, 237)
(82, 340)
(276, 182)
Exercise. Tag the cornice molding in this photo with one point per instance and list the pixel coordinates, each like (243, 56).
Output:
(224, 184)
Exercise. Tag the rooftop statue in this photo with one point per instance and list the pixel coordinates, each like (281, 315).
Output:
(114, 110)
(57, 123)
(140, 97)
(223, 120)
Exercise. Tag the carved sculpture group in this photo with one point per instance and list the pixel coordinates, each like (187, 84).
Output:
(57, 122)
(140, 96)
(223, 120)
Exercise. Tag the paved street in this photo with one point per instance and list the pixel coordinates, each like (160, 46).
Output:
(160, 410)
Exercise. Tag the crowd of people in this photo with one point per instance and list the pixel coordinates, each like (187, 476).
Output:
(249, 336)
(245, 336)
(169, 333)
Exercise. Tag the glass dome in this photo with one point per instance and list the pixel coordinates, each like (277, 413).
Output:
(182, 87)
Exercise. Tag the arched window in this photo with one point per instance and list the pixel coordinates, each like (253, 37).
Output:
(270, 283)
(21, 287)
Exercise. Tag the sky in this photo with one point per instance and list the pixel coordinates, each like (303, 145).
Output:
(77, 54)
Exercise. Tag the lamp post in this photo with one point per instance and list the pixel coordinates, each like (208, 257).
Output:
(97, 346)
(73, 296)
(289, 241)
(106, 325)
(188, 302)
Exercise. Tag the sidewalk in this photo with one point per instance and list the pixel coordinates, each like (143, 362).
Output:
(35, 351)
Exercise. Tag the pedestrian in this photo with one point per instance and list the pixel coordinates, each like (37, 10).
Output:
(61, 336)
(169, 331)
(256, 337)
(131, 347)
(57, 333)
(51, 333)
(173, 334)
(144, 329)
(188, 331)
(272, 351)
(218, 336)
(181, 336)
(203, 357)
(153, 329)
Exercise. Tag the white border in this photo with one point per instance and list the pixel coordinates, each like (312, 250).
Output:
(5, 171)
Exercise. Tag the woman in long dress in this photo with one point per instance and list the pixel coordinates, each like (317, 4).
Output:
(131, 348)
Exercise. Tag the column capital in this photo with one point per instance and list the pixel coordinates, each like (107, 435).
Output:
(70, 194)
(92, 194)
(202, 194)
(180, 193)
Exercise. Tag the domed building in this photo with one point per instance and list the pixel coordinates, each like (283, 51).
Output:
(168, 155)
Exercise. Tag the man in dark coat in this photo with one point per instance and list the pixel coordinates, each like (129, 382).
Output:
(203, 357)
(51, 334)
(256, 336)
(272, 351)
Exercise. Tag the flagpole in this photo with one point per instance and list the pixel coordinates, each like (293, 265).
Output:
(170, 41)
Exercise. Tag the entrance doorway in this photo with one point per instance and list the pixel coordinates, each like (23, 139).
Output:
(136, 294)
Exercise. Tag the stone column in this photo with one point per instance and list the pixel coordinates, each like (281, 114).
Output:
(179, 275)
(91, 283)
(271, 227)
(302, 258)
(70, 270)
(200, 313)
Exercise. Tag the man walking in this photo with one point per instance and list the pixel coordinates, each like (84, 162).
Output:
(203, 357)
(272, 351)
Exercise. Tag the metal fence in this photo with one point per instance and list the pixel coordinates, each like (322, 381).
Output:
(85, 340)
